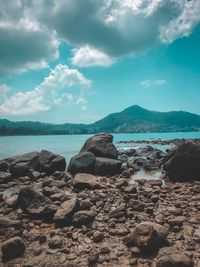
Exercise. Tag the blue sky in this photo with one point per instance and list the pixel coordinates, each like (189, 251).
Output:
(77, 61)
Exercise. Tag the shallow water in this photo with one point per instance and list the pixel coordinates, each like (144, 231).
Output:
(69, 145)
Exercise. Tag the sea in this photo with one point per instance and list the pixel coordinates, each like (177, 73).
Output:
(70, 145)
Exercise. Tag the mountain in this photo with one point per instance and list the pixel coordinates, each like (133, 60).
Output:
(131, 120)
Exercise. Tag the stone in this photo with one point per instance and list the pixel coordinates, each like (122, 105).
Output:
(35, 204)
(5, 177)
(45, 161)
(65, 212)
(101, 145)
(3, 166)
(50, 162)
(98, 236)
(55, 242)
(183, 163)
(118, 212)
(6, 222)
(148, 236)
(83, 217)
(170, 257)
(12, 248)
(83, 162)
(105, 166)
(22, 164)
(83, 180)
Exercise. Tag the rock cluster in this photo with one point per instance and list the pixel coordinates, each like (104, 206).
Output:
(97, 156)
(84, 219)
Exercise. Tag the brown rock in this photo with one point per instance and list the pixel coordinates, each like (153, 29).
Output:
(65, 212)
(169, 257)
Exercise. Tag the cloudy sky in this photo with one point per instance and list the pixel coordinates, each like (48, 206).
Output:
(79, 60)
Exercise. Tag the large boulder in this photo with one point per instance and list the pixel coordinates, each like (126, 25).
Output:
(65, 212)
(35, 204)
(147, 236)
(22, 164)
(101, 145)
(12, 248)
(44, 161)
(83, 162)
(50, 162)
(183, 163)
(106, 166)
(170, 257)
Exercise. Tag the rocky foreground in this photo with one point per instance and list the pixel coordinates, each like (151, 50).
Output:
(93, 214)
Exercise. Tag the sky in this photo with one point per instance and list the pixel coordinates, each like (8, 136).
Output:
(80, 60)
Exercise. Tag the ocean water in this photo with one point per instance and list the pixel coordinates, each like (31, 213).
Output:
(69, 145)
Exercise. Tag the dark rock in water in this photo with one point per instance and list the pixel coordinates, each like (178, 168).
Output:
(83, 162)
(105, 166)
(101, 145)
(12, 248)
(148, 236)
(83, 180)
(183, 163)
(44, 161)
(83, 217)
(5, 177)
(170, 257)
(3, 166)
(65, 212)
(35, 205)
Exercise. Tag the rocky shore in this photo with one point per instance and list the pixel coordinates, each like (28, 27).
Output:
(92, 212)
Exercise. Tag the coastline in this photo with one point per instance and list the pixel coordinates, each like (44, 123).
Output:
(105, 210)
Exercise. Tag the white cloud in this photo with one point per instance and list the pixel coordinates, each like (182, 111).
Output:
(30, 31)
(183, 24)
(150, 83)
(4, 89)
(49, 93)
(160, 82)
(87, 56)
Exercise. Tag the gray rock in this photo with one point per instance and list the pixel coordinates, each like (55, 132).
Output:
(101, 145)
(44, 161)
(105, 166)
(22, 164)
(50, 162)
(12, 248)
(5, 177)
(3, 166)
(83, 162)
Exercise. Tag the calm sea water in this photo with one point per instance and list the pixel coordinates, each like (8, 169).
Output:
(69, 145)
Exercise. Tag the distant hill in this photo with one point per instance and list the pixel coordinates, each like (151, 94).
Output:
(134, 119)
